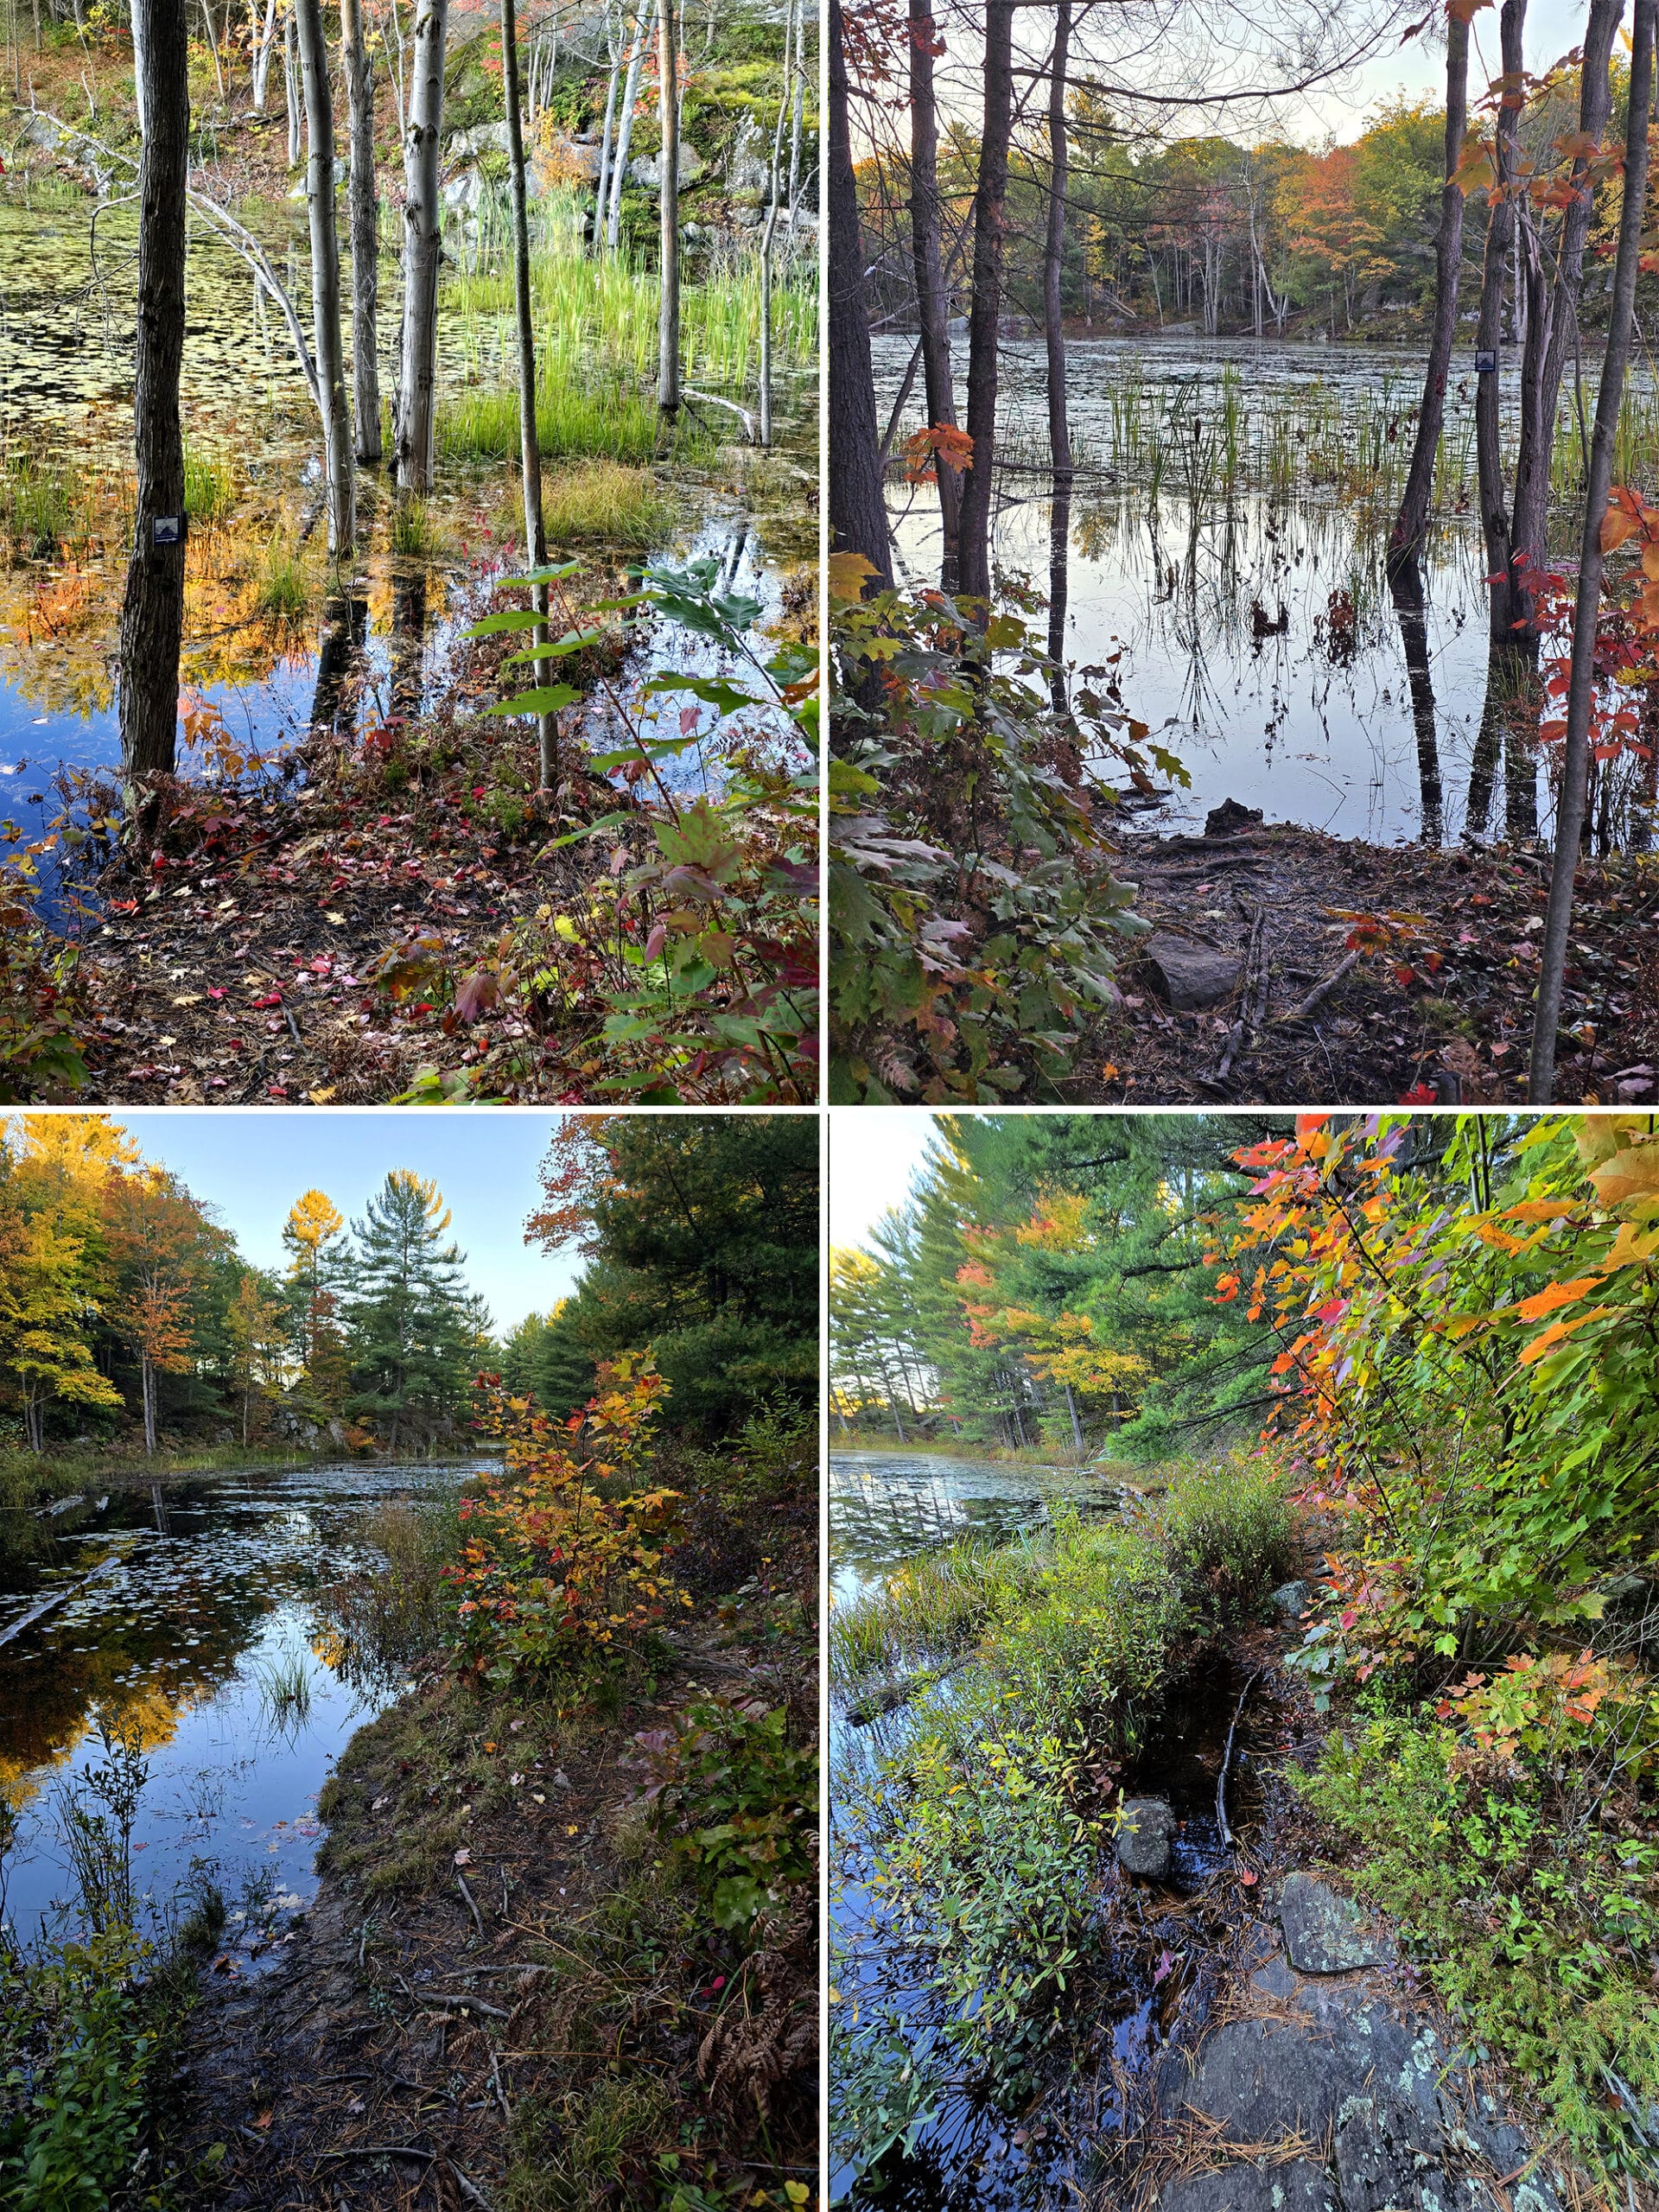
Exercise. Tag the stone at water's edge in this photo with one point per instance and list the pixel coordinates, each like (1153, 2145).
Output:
(1189, 975)
(1340, 2060)
(1229, 819)
(1146, 1829)
(1290, 1600)
(1323, 1933)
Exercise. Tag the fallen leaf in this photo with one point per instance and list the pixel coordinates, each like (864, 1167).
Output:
(463, 1857)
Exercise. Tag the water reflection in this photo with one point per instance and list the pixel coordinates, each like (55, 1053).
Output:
(171, 1609)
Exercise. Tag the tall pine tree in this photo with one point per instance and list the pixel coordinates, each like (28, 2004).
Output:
(415, 1331)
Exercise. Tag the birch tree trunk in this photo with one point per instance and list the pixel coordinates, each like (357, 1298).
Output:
(141, 63)
(858, 520)
(365, 231)
(291, 84)
(325, 281)
(601, 183)
(624, 134)
(1488, 331)
(932, 319)
(668, 325)
(262, 41)
(152, 611)
(422, 252)
(774, 194)
(529, 443)
(1411, 524)
(1575, 766)
(990, 233)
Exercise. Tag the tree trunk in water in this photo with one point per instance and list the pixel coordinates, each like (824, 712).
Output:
(1575, 766)
(365, 231)
(147, 1390)
(932, 319)
(1488, 331)
(325, 281)
(858, 519)
(602, 181)
(990, 232)
(1553, 318)
(668, 321)
(1059, 551)
(1059, 433)
(152, 612)
(529, 448)
(291, 86)
(1411, 525)
(1406, 588)
(423, 250)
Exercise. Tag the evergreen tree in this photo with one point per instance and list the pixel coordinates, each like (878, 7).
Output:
(415, 1330)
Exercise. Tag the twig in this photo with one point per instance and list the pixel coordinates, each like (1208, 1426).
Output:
(293, 1026)
(1253, 1001)
(495, 2083)
(469, 2189)
(460, 2004)
(712, 399)
(472, 1903)
(379, 2150)
(1320, 992)
(1227, 1836)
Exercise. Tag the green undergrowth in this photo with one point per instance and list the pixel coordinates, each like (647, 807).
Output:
(1527, 1890)
(977, 1838)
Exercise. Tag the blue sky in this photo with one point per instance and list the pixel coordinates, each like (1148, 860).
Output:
(252, 1164)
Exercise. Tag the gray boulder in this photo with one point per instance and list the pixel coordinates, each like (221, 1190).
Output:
(1290, 1600)
(1298, 2186)
(1323, 1933)
(1146, 1829)
(1188, 974)
(648, 172)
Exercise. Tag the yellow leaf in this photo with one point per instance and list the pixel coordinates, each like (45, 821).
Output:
(321, 1098)
(1629, 1175)
(849, 573)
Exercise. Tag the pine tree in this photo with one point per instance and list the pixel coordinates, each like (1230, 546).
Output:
(414, 1330)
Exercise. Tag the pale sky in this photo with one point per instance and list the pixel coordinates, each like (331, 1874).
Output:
(1554, 28)
(873, 1156)
(251, 1164)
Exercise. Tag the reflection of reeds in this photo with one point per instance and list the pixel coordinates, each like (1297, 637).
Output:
(285, 1690)
(209, 486)
(282, 592)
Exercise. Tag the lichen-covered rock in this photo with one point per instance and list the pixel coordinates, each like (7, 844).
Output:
(1324, 1932)
(1297, 2186)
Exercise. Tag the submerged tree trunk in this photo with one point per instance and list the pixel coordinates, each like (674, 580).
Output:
(422, 252)
(1575, 765)
(1489, 330)
(530, 449)
(1553, 316)
(365, 231)
(668, 320)
(1406, 588)
(858, 519)
(932, 315)
(1411, 525)
(325, 281)
(152, 611)
(990, 232)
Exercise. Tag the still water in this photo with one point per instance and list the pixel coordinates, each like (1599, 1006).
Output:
(1247, 622)
(174, 1608)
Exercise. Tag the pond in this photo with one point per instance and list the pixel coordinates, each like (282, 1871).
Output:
(266, 648)
(1223, 552)
(1140, 1976)
(190, 1612)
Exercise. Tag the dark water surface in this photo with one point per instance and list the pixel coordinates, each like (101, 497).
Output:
(182, 1597)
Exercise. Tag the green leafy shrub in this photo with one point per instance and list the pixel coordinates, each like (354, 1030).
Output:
(78, 2056)
(737, 1802)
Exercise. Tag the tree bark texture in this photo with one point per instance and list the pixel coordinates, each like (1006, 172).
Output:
(364, 203)
(858, 519)
(990, 235)
(152, 612)
(422, 252)
(1575, 766)
(1411, 525)
(325, 281)
(1489, 330)
(668, 322)
(530, 447)
(1553, 316)
(932, 314)
(1060, 435)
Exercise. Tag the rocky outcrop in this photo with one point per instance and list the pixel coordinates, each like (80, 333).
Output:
(1332, 2092)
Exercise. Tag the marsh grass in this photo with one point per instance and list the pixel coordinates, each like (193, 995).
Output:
(624, 507)
(282, 590)
(209, 486)
(285, 1691)
(415, 531)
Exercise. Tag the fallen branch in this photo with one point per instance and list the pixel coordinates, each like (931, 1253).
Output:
(379, 2150)
(1227, 1836)
(1253, 1000)
(710, 399)
(472, 1903)
(1320, 992)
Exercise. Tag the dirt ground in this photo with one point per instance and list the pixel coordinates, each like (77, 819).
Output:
(1437, 1005)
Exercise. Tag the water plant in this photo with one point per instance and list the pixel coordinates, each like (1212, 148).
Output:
(282, 591)
(285, 1690)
